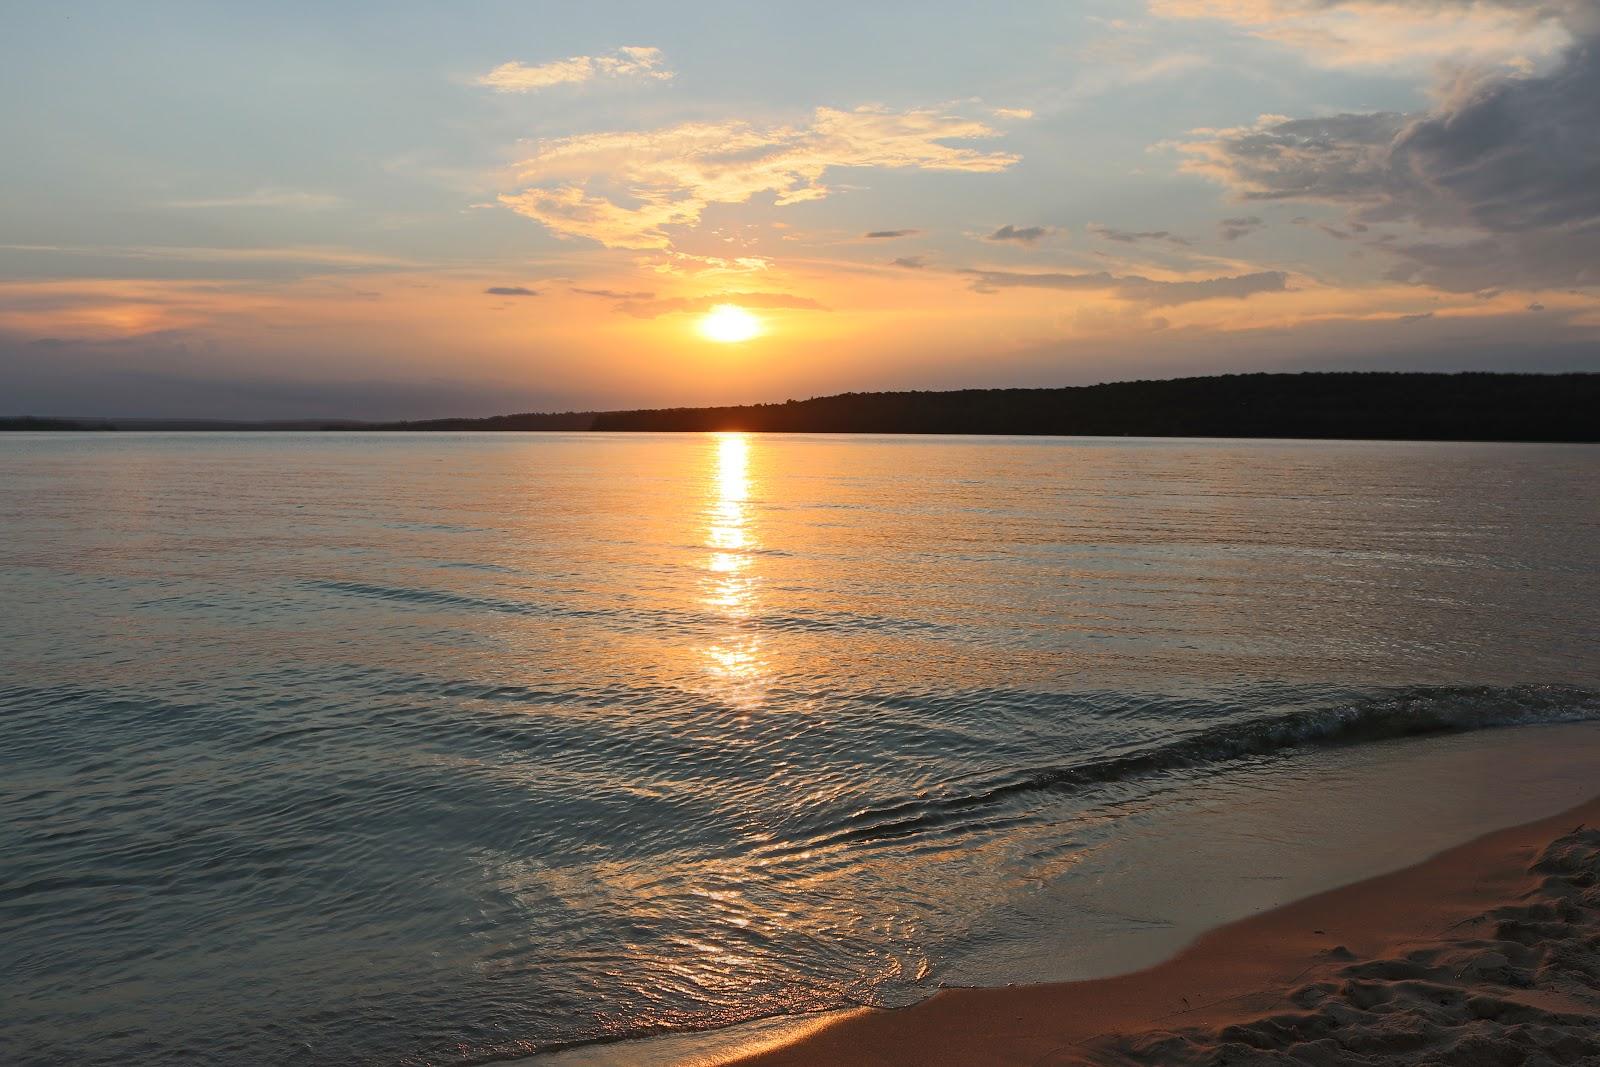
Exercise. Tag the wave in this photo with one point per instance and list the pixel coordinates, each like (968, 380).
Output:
(1376, 716)
(1381, 716)
(815, 621)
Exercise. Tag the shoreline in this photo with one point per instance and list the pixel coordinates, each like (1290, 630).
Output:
(1486, 946)
(1239, 846)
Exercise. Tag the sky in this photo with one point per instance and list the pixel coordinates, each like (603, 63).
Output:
(393, 210)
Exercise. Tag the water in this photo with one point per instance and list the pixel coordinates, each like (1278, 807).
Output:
(415, 749)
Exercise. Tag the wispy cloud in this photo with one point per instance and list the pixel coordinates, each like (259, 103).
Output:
(1129, 237)
(1110, 73)
(1231, 229)
(614, 294)
(510, 290)
(300, 254)
(688, 264)
(649, 309)
(1025, 235)
(882, 235)
(629, 62)
(626, 190)
(1135, 287)
(1368, 33)
(270, 197)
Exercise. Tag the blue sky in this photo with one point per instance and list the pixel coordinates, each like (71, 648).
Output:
(288, 209)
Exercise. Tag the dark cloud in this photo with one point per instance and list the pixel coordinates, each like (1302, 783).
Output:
(911, 262)
(989, 281)
(1562, 257)
(1129, 237)
(509, 290)
(1348, 232)
(1023, 235)
(1239, 226)
(1230, 288)
(1336, 158)
(1513, 159)
(1516, 154)
(1135, 287)
(649, 309)
(889, 234)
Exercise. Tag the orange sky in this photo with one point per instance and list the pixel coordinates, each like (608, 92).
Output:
(472, 217)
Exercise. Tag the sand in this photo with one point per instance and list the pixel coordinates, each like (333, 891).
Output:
(1488, 954)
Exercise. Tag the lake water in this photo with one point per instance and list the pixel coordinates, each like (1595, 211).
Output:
(418, 749)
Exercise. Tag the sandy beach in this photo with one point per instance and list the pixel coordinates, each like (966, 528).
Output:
(1486, 953)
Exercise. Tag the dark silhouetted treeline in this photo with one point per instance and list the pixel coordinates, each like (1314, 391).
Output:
(1481, 407)
(1397, 406)
(29, 422)
(564, 420)
(33, 422)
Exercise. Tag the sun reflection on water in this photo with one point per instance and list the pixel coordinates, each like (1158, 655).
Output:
(735, 661)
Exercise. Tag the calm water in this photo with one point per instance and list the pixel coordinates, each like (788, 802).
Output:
(419, 749)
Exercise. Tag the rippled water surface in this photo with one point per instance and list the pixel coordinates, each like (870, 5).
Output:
(394, 749)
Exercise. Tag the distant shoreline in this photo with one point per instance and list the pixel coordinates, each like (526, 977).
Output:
(1469, 406)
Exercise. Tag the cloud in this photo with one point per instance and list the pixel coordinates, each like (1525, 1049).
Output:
(1515, 154)
(691, 265)
(889, 234)
(628, 189)
(1126, 64)
(649, 309)
(1535, 260)
(1013, 113)
(269, 196)
(1135, 236)
(1506, 166)
(1232, 229)
(190, 261)
(1334, 159)
(509, 290)
(1397, 33)
(614, 294)
(629, 62)
(911, 262)
(1134, 287)
(1025, 235)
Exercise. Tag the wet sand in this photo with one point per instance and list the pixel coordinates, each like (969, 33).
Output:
(1486, 953)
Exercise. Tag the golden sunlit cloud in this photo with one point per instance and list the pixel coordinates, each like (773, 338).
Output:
(729, 323)
(628, 189)
(632, 61)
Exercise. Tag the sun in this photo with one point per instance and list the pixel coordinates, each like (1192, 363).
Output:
(728, 323)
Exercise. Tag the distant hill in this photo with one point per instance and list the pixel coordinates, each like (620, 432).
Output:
(565, 420)
(1497, 407)
(35, 422)
(1397, 406)
(1482, 407)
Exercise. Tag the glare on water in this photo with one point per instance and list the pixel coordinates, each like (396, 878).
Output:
(735, 658)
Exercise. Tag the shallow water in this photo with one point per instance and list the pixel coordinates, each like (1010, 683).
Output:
(426, 748)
